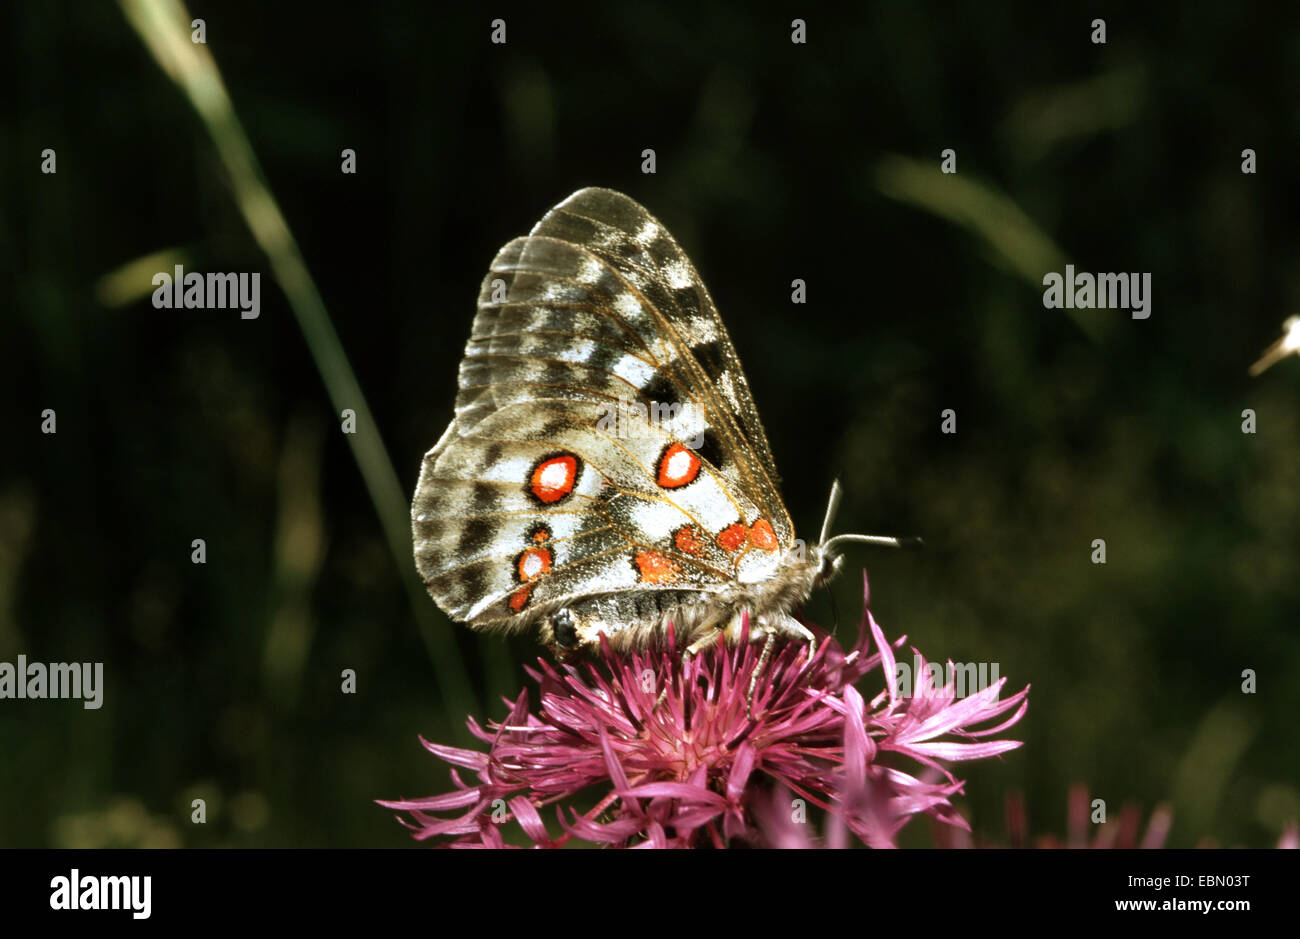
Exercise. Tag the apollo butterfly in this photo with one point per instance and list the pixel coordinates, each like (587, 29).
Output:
(606, 470)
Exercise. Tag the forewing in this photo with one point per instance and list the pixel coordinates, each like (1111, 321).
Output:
(641, 253)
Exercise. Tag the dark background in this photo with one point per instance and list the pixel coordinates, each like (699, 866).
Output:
(775, 161)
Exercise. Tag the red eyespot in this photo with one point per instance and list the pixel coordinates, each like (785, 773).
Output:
(732, 538)
(533, 563)
(762, 535)
(687, 539)
(519, 599)
(655, 568)
(678, 467)
(553, 478)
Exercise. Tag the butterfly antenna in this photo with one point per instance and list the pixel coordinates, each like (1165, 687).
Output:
(831, 547)
(832, 507)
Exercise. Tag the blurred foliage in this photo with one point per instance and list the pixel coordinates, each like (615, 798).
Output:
(775, 161)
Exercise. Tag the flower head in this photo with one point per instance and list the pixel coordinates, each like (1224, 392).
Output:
(685, 752)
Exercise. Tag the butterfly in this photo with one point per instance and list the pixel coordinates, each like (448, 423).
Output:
(606, 470)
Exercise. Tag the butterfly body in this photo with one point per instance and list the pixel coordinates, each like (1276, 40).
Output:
(606, 470)
(636, 619)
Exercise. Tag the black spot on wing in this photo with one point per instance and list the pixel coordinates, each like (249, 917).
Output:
(712, 358)
(661, 388)
(474, 536)
(603, 357)
(472, 582)
(710, 449)
(687, 300)
(484, 499)
(555, 373)
(630, 251)
(549, 429)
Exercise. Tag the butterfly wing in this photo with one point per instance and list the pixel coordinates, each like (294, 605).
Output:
(552, 484)
(681, 314)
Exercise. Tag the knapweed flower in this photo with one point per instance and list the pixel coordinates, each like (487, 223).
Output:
(678, 752)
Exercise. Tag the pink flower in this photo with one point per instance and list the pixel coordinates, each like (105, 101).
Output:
(680, 756)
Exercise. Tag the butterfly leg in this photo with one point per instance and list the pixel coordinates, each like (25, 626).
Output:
(791, 628)
(709, 631)
(695, 648)
(758, 670)
(706, 641)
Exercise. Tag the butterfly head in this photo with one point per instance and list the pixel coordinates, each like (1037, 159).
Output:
(829, 552)
(828, 566)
